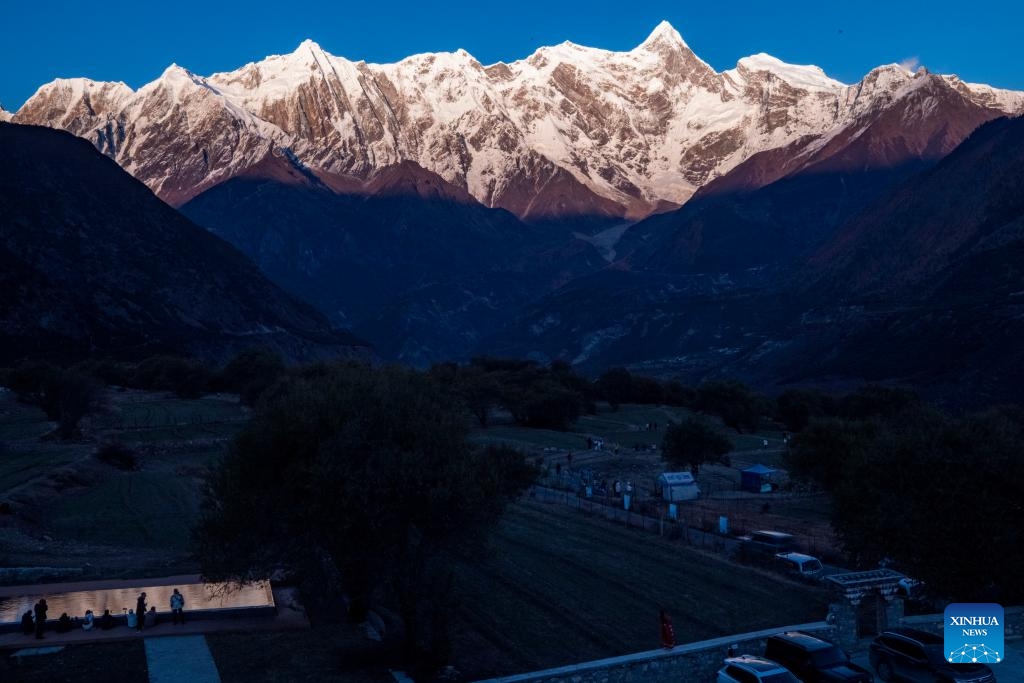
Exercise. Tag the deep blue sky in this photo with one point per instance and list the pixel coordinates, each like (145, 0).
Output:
(40, 41)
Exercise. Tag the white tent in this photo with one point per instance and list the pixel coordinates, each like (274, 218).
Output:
(677, 486)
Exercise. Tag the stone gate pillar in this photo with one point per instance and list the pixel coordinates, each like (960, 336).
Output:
(848, 590)
(843, 619)
(893, 605)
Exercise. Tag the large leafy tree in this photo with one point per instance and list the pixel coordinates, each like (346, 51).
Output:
(693, 442)
(366, 472)
(732, 401)
(940, 497)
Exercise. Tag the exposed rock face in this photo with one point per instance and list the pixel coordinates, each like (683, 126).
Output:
(568, 131)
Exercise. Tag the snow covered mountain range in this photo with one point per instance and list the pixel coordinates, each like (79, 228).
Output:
(568, 131)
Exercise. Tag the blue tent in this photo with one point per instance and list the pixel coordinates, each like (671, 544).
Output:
(756, 478)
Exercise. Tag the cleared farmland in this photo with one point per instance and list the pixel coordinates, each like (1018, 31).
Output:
(558, 586)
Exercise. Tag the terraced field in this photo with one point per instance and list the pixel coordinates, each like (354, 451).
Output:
(559, 586)
(70, 509)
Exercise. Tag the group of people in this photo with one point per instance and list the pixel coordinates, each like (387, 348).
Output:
(34, 620)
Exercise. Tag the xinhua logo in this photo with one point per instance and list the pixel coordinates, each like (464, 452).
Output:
(974, 633)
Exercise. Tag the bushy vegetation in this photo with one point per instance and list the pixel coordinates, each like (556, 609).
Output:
(249, 374)
(938, 496)
(66, 396)
(359, 477)
(693, 442)
(117, 455)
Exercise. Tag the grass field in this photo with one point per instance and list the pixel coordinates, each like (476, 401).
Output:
(137, 509)
(122, 661)
(333, 654)
(24, 455)
(149, 412)
(146, 418)
(20, 422)
(559, 586)
(88, 504)
(21, 465)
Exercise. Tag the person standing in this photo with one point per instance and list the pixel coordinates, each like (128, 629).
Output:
(177, 607)
(668, 632)
(140, 611)
(40, 618)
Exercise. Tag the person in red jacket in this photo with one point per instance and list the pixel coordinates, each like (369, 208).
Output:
(668, 634)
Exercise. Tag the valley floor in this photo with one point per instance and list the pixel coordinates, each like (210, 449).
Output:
(554, 586)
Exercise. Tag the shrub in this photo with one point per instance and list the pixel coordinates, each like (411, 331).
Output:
(117, 455)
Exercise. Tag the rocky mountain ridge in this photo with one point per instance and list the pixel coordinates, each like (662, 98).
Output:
(568, 131)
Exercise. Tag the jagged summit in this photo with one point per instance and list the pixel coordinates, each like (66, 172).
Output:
(567, 130)
(664, 34)
(309, 45)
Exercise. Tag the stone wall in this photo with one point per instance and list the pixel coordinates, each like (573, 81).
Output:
(1013, 626)
(692, 662)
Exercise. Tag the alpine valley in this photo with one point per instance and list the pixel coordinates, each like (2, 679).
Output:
(640, 208)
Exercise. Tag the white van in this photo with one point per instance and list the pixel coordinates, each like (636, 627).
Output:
(800, 564)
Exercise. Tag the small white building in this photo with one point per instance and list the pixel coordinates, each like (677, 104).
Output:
(676, 486)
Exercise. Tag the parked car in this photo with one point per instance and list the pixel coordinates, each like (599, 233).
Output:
(912, 655)
(764, 545)
(814, 660)
(804, 566)
(751, 669)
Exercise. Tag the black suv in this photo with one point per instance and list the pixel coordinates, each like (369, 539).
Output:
(912, 655)
(814, 660)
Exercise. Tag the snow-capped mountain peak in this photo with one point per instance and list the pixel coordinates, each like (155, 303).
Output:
(569, 129)
(663, 35)
(800, 76)
(309, 45)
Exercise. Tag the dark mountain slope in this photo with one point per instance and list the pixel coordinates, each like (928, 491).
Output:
(416, 265)
(935, 277)
(93, 262)
(971, 202)
(925, 286)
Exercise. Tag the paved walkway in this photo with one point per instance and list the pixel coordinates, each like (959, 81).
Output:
(180, 659)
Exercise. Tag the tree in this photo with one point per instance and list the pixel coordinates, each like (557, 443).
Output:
(250, 373)
(186, 377)
(693, 442)
(615, 386)
(647, 391)
(65, 396)
(939, 497)
(827, 448)
(77, 396)
(543, 404)
(732, 401)
(676, 394)
(563, 373)
(479, 390)
(873, 400)
(362, 474)
(795, 408)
